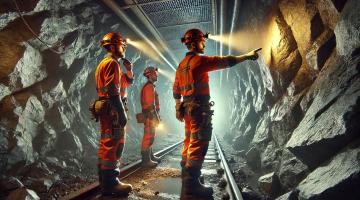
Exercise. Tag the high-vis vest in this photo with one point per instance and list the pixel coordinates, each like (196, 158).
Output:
(108, 76)
(192, 77)
(149, 97)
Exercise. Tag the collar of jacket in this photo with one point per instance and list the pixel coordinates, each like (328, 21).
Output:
(149, 82)
(112, 57)
(192, 53)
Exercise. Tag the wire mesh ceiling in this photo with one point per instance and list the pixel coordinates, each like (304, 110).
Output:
(173, 17)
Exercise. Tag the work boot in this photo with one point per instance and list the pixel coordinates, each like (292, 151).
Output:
(153, 157)
(111, 184)
(120, 189)
(192, 185)
(146, 161)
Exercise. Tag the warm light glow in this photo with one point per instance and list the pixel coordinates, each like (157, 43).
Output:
(242, 41)
(160, 126)
(167, 74)
(267, 37)
(161, 129)
(272, 42)
(146, 49)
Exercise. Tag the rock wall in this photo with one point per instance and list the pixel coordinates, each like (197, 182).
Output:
(297, 109)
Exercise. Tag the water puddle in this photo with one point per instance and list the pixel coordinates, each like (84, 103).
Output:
(167, 185)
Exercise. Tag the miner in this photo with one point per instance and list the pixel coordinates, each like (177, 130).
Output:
(110, 110)
(192, 96)
(150, 110)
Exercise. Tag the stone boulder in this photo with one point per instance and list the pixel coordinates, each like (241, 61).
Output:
(269, 184)
(337, 179)
(305, 22)
(253, 158)
(270, 157)
(292, 195)
(330, 122)
(285, 59)
(321, 50)
(347, 29)
(291, 171)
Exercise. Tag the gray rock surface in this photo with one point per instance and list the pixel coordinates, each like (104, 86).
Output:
(291, 170)
(340, 178)
(327, 121)
(347, 30)
(269, 184)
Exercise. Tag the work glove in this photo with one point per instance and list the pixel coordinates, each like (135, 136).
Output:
(179, 112)
(253, 55)
(127, 64)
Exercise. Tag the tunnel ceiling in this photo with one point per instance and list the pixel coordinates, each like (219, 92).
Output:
(171, 18)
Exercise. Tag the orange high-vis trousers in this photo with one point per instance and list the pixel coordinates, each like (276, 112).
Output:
(149, 134)
(111, 143)
(194, 148)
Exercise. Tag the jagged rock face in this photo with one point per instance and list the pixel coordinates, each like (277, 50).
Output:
(46, 84)
(300, 115)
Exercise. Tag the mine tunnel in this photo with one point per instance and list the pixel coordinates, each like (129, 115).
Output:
(285, 120)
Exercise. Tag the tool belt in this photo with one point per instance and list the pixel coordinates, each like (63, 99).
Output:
(125, 103)
(99, 107)
(202, 111)
(151, 114)
(103, 106)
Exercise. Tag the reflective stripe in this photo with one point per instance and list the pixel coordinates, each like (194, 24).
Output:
(194, 86)
(122, 89)
(107, 88)
(110, 164)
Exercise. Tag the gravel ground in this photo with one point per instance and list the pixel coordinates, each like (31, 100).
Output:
(70, 182)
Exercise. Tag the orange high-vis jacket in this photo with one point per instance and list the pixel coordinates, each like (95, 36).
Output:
(108, 76)
(149, 98)
(126, 80)
(192, 77)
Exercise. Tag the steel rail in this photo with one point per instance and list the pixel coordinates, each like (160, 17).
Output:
(230, 178)
(125, 171)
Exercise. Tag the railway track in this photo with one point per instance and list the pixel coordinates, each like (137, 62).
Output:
(164, 182)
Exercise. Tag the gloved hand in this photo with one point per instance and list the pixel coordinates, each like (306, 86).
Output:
(179, 112)
(253, 55)
(127, 64)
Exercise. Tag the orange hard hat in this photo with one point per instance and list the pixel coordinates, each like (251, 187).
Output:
(193, 35)
(149, 71)
(112, 38)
